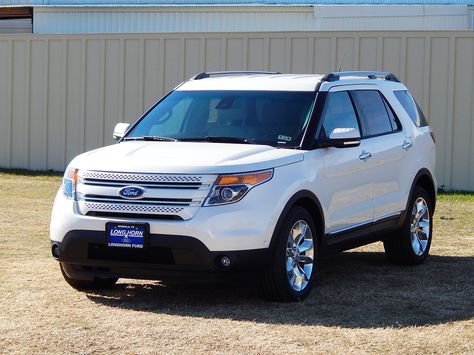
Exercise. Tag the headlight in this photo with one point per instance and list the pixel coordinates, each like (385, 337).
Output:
(70, 182)
(232, 188)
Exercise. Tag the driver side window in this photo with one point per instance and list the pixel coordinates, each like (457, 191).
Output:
(339, 113)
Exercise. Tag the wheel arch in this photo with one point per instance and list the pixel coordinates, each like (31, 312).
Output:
(310, 202)
(424, 179)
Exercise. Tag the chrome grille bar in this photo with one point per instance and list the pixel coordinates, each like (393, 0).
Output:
(166, 194)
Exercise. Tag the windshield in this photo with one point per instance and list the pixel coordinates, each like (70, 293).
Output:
(260, 117)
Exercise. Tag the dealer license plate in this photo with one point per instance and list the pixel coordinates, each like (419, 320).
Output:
(126, 235)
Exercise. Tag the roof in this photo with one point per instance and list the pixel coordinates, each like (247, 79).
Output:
(134, 3)
(286, 82)
(266, 82)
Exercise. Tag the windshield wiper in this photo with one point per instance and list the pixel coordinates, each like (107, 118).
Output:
(151, 138)
(217, 139)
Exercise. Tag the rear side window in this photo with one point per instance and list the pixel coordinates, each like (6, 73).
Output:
(411, 107)
(377, 117)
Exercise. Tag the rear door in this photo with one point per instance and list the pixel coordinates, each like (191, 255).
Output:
(389, 147)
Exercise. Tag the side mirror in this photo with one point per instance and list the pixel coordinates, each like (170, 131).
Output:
(120, 129)
(342, 138)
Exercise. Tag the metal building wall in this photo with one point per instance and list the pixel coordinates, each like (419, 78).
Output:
(49, 20)
(61, 95)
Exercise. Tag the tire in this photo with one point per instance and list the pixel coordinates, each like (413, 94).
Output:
(411, 244)
(84, 285)
(289, 276)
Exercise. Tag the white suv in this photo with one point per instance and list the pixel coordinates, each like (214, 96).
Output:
(251, 171)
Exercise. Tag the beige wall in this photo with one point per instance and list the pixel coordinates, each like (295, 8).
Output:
(61, 95)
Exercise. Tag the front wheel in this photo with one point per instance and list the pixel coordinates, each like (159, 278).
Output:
(84, 285)
(290, 274)
(411, 245)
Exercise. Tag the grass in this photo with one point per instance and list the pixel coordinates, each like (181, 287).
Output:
(361, 303)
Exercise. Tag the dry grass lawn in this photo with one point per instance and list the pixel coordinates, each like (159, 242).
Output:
(361, 304)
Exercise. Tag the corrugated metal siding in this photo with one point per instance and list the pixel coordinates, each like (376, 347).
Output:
(251, 19)
(221, 2)
(171, 21)
(61, 95)
(16, 26)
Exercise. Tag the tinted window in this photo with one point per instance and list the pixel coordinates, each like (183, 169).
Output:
(261, 117)
(339, 113)
(410, 106)
(372, 111)
(393, 120)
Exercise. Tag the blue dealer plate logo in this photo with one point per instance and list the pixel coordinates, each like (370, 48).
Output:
(132, 192)
(126, 235)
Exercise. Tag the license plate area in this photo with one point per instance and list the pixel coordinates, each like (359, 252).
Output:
(127, 235)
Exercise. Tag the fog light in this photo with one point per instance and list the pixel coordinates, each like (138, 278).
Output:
(225, 261)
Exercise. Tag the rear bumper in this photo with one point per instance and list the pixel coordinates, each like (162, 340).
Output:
(85, 256)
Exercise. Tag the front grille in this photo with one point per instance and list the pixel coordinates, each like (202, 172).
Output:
(169, 195)
(132, 177)
(101, 207)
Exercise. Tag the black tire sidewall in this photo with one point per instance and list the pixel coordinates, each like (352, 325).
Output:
(282, 284)
(410, 254)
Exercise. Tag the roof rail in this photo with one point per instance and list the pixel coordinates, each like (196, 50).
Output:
(369, 74)
(224, 73)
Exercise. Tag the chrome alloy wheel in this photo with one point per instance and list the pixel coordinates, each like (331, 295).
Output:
(420, 226)
(299, 255)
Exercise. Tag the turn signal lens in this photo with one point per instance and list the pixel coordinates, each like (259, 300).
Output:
(70, 182)
(246, 179)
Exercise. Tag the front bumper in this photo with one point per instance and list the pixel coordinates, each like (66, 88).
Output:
(85, 256)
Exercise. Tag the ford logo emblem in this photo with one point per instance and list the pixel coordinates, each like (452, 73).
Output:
(131, 192)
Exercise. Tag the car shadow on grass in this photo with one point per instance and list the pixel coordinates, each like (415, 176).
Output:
(354, 290)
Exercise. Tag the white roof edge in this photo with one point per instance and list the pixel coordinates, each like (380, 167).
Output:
(257, 82)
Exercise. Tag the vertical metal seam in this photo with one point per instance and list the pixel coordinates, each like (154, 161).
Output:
(448, 173)
(122, 78)
(141, 74)
(426, 75)
(27, 100)
(162, 65)
(245, 49)
(333, 55)
(65, 93)
(223, 60)
(288, 50)
(380, 45)
(202, 54)
(266, 52)
(46, 101)
(182, 60)
(310, 59)
(403, 59)
(102, 90)
(471, 156)
(10, 92)
(356, 50)
(83, 94)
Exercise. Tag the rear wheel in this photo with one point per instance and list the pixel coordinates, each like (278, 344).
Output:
(83, 285)
(411, 245)
(290, 274)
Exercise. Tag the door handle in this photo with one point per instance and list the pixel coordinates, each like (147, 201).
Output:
(365, 155)
(407, 145)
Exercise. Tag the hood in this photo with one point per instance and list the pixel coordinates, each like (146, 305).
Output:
(185, 157)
